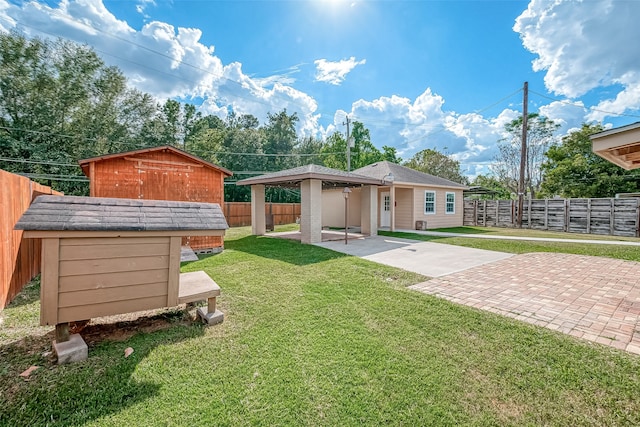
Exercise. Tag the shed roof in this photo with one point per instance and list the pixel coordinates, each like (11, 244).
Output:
(70, 213)
(404, 174)
(84, 163)
(293, 177)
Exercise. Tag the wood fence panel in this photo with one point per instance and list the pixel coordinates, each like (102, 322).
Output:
(617, 217)
(19, 258)
(238, 214)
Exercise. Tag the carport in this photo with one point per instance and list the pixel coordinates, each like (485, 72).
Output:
(312, 179)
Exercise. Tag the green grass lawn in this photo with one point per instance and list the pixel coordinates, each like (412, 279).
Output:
(313, 337)
(630, 253)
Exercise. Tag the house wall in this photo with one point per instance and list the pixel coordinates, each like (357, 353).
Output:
(440, 218)
(160, 175)
(404, 208)
(333, 208)
(85, 278)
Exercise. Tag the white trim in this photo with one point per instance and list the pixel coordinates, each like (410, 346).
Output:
(424, 202)
(446, 203)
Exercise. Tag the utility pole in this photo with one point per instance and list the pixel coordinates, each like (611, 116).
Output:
(348, 144)
(523, 152)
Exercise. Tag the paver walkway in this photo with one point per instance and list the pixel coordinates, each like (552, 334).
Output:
(593, 298)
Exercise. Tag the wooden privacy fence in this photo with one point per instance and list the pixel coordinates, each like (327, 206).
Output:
(19, 258)
(615, 217)
(238, 214)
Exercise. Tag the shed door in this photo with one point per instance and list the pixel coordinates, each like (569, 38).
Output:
(385, 209)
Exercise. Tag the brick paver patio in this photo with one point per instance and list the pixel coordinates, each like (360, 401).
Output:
(594, 298)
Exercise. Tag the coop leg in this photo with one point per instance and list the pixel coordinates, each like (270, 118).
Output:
(69, 347)
(62, 332)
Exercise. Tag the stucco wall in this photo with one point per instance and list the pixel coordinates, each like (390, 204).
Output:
(333, 208)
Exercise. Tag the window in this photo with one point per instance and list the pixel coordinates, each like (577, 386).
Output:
(387, 203)
(429, 202)
(450, 207)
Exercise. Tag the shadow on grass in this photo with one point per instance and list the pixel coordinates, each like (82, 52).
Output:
(77, 393)
(288, 251)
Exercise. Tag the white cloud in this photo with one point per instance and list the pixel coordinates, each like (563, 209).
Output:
(584, 45)
(335, 72)
(414, 125)
(163, 60)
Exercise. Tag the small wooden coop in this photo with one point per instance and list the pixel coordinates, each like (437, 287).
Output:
(106, 256)
(160, 173)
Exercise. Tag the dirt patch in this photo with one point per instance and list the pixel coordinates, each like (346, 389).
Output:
(124, 326)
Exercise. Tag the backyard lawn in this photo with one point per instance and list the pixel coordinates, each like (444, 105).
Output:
(313, 337)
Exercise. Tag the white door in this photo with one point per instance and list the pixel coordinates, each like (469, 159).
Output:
(385, 209)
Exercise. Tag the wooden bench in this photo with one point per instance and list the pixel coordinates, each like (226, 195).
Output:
(198, 286)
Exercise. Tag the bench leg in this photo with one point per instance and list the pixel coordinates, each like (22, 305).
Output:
(212, 316)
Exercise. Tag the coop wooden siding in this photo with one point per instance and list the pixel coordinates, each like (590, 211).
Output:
(160, 175)
(107, 276)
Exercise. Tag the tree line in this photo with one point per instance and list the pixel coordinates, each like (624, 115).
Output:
(60, 103)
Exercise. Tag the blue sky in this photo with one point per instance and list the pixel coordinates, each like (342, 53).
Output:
(418, 74)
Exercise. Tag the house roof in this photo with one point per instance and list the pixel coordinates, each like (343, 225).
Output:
(84, 163)
(405, 175)
(293, 177)
(620, 146)
(71, 213)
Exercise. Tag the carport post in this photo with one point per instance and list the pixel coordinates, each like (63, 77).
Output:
(311, 211)
(258, 226)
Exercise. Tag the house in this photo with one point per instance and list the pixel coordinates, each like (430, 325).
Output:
(159, 173)
(619, 145)
(315, 182)
(407, 199)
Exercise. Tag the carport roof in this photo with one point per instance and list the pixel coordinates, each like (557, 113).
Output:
(293, 177)
(619, 145)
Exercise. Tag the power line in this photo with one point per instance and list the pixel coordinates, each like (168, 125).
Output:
(562, 101)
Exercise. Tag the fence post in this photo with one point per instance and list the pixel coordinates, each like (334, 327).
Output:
(567, 215)
(588, 216)
(475, 212)
(546, 214)
(512, 212)
(484, 214)
(529, 213)
(498, 213)
(637, 218)
(612, 216)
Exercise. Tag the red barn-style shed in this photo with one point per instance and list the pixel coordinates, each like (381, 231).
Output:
(159, 173)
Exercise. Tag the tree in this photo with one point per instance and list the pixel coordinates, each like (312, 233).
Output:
(540, 136)
(390, 154)
(363, 152)
(572, 169)
(433, 162)
(280, 138)
(59, 103)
